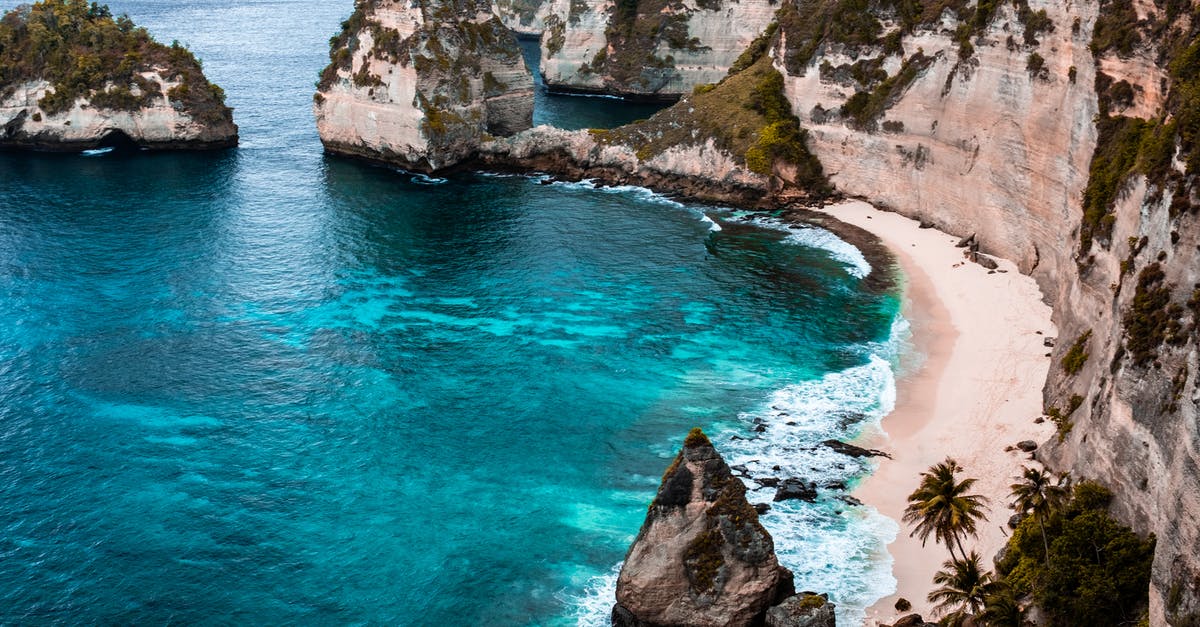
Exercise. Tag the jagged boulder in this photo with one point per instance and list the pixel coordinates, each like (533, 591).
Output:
(802, 610)
(701, 558)
(73, 77)
(421, 83)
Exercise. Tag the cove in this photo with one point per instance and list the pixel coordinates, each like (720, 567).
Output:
(276, 387)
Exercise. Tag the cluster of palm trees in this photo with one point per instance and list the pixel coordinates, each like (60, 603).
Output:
(942, 506)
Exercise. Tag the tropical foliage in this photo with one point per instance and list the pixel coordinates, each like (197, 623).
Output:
(1039, 495)
(942, 506)
(1087, 569)
(964, 587)
(84, 52)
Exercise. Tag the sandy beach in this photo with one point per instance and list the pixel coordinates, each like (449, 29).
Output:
(976, 391)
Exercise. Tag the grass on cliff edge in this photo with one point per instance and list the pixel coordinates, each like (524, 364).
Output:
(79, 48)
(746, 114)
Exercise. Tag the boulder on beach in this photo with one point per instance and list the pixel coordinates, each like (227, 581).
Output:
(806, 609)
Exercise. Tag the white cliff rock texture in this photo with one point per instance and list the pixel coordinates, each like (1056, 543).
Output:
(990, 127)
(524, 17)
(647, 49)
(422, 84)
(101, 82)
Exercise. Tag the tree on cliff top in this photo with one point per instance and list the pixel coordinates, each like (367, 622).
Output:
(83, 52)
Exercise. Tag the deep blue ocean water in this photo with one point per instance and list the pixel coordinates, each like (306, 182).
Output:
(267, 386)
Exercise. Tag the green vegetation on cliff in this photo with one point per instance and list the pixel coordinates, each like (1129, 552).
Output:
(859, 24)
(1078, 564)
(1127, 146)
(635, 30)
(83, 52)
(746, 115)
(1067, 555)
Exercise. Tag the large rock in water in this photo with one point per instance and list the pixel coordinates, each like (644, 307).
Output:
(701, 558)
(421, 83)
(73, 78)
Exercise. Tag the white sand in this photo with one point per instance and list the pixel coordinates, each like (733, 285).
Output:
(977, 391)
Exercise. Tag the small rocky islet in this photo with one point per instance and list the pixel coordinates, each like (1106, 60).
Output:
(73, 77)
(703, 558)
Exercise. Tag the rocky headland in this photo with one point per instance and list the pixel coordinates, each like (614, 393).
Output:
(73, 77)
(703, 559)
(422, 84)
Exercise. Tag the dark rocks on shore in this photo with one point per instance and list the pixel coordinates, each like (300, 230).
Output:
(913, 620)
(1027, 446)
(903, 605)
(796, 489)
(966, 241)
(852, 450)
(984, 261)
(802, 610)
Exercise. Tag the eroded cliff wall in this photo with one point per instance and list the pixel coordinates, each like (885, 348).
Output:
(1062, 134)
(422, 84)
(653, 49)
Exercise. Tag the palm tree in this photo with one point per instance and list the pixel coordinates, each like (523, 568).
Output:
(1000, 607)
(1038, 495)
(941, 506)
(965, 587)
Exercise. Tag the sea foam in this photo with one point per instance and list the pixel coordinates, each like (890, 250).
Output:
(815, 237)
(833, 545)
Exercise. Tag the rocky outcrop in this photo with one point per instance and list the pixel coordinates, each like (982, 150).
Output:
(701, 557)
(735, 143)
(74, 78)
(421, 84)
(802, 610)
(703, 172)
(647, 49)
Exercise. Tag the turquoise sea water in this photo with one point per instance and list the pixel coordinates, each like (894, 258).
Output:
(265, 386)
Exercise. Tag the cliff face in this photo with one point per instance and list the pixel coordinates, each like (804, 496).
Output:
(421, 84)
(1066, 136)
(651, 49)
(1065, 140)
(524, 17)
(72, 77)
(736, 142)
(701, 557)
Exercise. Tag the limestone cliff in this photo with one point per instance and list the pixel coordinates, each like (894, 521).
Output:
(421, 84)
(736, 142)
(1064, 136)
(701, 557)
(647, 49)
(524, 17)
(72, 77)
